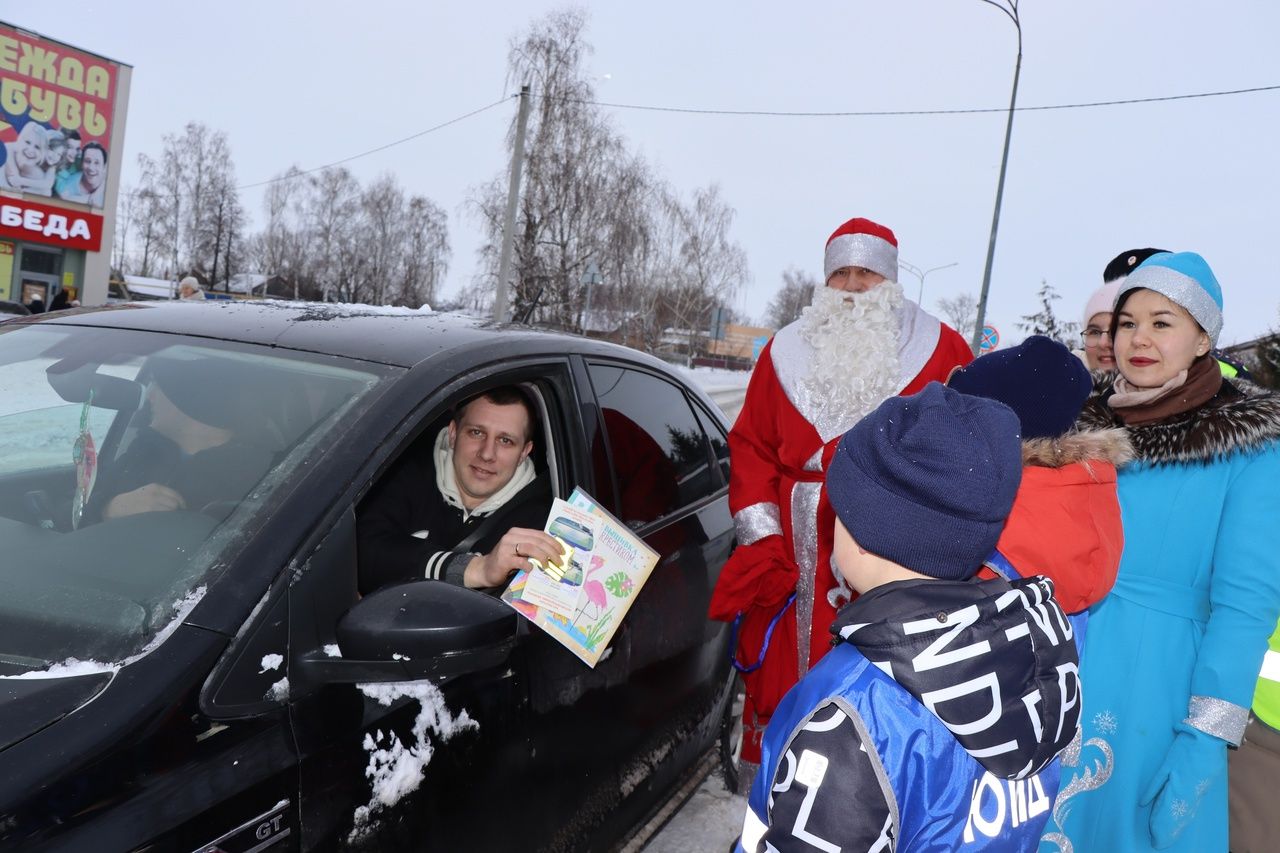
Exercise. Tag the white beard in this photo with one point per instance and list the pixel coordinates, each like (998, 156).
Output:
(855, 339)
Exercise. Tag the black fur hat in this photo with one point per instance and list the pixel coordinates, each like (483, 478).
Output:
(1123, 264)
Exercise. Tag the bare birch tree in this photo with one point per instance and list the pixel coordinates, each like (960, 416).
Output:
(795, 294)
(586, 200)
(961, 312)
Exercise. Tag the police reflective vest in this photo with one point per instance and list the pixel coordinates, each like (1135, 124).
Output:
(1266, 698)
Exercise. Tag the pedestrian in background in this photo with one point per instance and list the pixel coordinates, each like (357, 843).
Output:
(1098, 351)
(1254, 769)
(1174, 650)
(189, 290)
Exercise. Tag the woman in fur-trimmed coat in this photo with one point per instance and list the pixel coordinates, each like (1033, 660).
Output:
(1173, 652)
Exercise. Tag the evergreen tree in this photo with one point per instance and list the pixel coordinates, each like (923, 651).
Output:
(1045, 322)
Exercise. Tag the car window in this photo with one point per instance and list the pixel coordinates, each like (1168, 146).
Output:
(132, 464)
(719, 443)
(38, 429)
(659, 452)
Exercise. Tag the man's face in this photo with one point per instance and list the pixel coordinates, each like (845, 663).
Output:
(489, 441)
(71, 153)
(93, 167)
(854, 279)
(165, 417)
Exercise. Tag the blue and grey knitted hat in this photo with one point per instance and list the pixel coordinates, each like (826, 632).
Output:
(1186, 279)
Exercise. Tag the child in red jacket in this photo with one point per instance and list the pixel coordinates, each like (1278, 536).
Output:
(1065, 522)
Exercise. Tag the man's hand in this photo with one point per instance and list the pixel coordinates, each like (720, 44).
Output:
(511, 553)
(152, 497)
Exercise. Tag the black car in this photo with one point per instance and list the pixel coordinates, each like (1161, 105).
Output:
(209, 678)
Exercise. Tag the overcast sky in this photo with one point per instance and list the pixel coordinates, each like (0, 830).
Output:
(313, 82)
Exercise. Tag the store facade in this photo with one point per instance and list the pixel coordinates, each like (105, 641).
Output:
(62, 121)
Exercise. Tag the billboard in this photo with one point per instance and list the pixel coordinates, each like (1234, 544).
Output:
(56, 109)
(44, 223)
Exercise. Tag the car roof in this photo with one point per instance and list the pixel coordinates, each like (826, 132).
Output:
(395, 336)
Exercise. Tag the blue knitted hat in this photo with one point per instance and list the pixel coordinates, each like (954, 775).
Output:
(1186, 279)
(927, 480)
(1039, 379)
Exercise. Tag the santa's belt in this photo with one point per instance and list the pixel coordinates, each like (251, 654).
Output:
(800, 475)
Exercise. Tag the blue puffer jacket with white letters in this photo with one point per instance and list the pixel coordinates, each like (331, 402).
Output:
(933, 725)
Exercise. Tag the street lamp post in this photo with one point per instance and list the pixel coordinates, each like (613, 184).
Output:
(1012, 11)
(920, 274)
(590, 278)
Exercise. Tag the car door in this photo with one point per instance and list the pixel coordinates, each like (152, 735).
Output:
(658, 472)
(517, 755)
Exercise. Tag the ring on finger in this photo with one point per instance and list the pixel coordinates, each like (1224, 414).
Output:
(518, 554)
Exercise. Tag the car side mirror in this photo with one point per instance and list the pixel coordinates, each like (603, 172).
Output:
(415, 630)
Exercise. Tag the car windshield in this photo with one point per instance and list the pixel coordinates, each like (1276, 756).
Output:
(130, 465)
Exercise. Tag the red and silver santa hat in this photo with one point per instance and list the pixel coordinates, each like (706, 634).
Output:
(862, 243)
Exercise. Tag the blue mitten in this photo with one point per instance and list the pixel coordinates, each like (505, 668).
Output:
(1190, 767)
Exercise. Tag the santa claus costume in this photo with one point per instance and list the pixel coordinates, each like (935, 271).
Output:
(814, 380)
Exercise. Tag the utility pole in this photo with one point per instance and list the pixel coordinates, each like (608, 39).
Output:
(1012, 12)
(513, 200)
(590, 278)
(177, 230)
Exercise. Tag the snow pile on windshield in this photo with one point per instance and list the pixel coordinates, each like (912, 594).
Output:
(72, 666)
(394, 769)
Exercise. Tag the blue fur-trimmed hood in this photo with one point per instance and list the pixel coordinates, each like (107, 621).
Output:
(1240, 418)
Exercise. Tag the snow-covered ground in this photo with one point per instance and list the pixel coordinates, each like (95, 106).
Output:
(726, 387)
(711, 820)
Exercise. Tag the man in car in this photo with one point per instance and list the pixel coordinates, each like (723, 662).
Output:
(472, 512)
(196, 453)
(860, 342)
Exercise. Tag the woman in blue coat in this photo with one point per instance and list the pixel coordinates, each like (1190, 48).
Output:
(1174, 650)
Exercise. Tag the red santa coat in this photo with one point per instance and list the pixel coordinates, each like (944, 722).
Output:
(779, 450)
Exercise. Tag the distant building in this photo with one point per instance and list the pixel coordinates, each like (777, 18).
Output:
(252, 284)
(738, 349)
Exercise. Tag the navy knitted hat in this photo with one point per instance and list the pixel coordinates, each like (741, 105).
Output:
(927, 480)
(1040, 379)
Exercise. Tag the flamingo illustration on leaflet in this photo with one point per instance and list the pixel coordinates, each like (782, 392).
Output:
(583, 598)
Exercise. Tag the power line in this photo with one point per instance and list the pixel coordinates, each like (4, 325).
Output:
(770, 113)
(417, 135)
(872, 113)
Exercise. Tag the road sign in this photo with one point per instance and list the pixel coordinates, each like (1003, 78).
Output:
(757, 344)
(990, 339)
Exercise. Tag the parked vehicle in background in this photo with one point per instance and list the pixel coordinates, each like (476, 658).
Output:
(208, 677)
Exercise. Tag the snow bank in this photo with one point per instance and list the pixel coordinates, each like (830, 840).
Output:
(711, 379)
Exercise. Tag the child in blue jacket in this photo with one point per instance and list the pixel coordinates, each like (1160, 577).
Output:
(935, 721)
